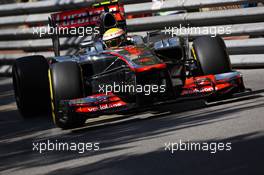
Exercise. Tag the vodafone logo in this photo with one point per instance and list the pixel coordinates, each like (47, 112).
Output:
(193, 91)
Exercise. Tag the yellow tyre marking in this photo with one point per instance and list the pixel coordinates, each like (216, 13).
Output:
(194, 54)
(52, 98)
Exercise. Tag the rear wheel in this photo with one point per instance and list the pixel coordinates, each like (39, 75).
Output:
(30, 82)
(65, 83)
(211, 55)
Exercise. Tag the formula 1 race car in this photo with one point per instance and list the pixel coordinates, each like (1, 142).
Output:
(98, 80)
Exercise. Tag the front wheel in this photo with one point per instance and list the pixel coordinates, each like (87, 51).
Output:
(211, 55)
(212, 58)
(65, 84)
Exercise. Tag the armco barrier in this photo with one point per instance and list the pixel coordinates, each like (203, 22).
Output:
(17, 22)
(28, 16)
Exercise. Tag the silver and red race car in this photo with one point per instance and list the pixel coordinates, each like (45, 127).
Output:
(97, 80)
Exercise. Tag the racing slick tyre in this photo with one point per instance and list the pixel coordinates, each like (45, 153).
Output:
(211, 55)
(31, 88)
(65, 83)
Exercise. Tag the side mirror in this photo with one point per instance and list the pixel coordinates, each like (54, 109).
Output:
(137, 40)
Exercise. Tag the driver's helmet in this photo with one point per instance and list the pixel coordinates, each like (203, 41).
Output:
(114, 37)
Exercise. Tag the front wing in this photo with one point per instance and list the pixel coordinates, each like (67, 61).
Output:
(200, 87)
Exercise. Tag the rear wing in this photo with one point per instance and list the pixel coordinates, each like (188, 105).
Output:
(97, 18)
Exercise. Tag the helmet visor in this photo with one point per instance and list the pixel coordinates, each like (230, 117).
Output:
(115, 42)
